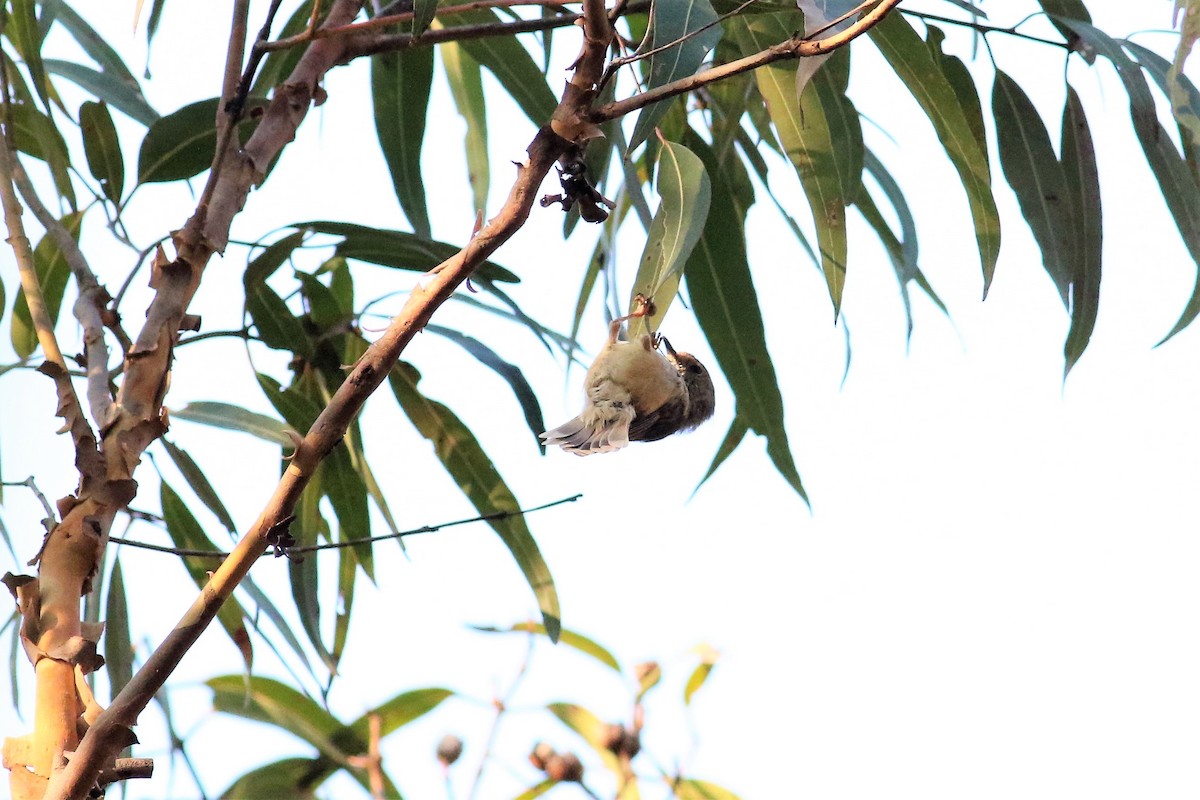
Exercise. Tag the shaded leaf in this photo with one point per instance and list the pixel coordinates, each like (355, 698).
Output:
(278, 64)
(511, 374)
(470, 467)
(35, 134)
(511, 63)
(288, 777)
(466, 86)
(187, 533)
(1036, 177)
(236, 418)
(107, 87)
(182, 144)
(686, 192)
(400, 84)
(670, 21)
(102, 149)
(1082, 182)
(50, 266)
(200, 485)
(308, 526)
(21, 28)
(99, 50)
(938, 96)
(118, 648)
(567, 637)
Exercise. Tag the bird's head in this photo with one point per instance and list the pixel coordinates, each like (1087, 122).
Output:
(702, 399)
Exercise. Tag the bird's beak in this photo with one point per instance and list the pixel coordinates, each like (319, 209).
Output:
(667, 344)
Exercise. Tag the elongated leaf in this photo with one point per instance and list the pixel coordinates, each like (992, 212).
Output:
(1179, 89)
(1175, 178)
(118, 648)
(821, 136)
(182, 144)
(400, 84)
(95, 45)
(466, 86)
(277, 327)
(305, 584)
(511, 374)
(671, 21)
(399, 711)
(1082, 183)
(399, 250)
(200, 485)
(689, 789)
(537, 790)
(36, 134)
(568, 637)
(726, 307)
(21, 28)
(590, 727)
(236, 418)
(103, 149)
(927, 80)
(288, 777)
(267, 700)
(188, 534)
(511, 63)
(348, 496)
(686, 192)
(1036, 177)
(347, 577)
(50, 266)
(107, 87)
(470, 467)
(1073, 9)
(264, 605)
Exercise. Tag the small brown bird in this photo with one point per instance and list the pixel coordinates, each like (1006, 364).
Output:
(634, 393)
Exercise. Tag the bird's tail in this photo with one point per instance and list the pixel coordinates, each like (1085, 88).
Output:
(596, 430)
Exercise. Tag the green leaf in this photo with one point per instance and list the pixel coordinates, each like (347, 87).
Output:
(686, 192)
(537, 790)
(98, 49)
(1036, 177)
(347, 577)
(348, 496)
(50, 266)
(570, 638)
(924, 73)
(423, 13)
(308, 526)
(726, 307)
(288, 777)
(821, 136)
(400, 84)
(182, 144)
(103, 149)
(399, 711)
(399, 250)
(107, 87)
(200, 485)
(708, 658)
(509, 372)
(688, 789)
(591, 728)
(187, 533)
(236, 418)
(1073, 9)
(1082, 181)
(460, 453)
(274, 322)
(36, 134)
(273, 256)
(118, 648)
(21, 28)
(466, 86)
(512, 65)
(670, 21)
(266, 700)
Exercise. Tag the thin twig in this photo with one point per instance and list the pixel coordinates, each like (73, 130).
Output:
(501, 704)
(493, 517)
(985, 29)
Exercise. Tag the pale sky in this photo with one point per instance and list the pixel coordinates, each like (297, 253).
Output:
(994, 593)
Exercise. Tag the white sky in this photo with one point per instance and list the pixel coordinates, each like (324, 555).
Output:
(993, 596)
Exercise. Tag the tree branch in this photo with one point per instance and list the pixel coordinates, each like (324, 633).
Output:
(795, 47)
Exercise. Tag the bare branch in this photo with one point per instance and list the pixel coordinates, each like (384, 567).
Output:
(796, 47)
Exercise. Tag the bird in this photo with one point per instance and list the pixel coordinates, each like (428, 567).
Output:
(635, 393)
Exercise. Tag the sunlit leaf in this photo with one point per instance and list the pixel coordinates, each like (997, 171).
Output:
(288, 777)
(466, 86)
(400, 710)
(50, 266)
(537, 790)
(708, 658)
(236, 418)
(685, 191)
(925, 77)
(267, 700)
(688, 789)
(1082, 183)
(567, 637)
(102, 149)
(400, 84)
(1036, 177)
(187, 533)
(591, 728)
(671, 21)
(470, 467)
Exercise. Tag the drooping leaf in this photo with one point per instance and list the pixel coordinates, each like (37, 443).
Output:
(102, 149)
(400, 84)
(36, 134)
(567, 637)
(399, 711)
(685, 193)
(199, 484)
(470, 467)
(276, 325)
(236, 418)
(511, 374)
(110, 62)
(511, 63)
(399, 250)
(708, 658)
(1082, 181)
(726, 307)
(821, 136)
(423, 14)
(1036, 177)
(118, 648)
(347, 577)
(107, 87)
(1071, 9)
(466, 86)
(590, 727)
(266, 700)
(50, 266)
(21, 28)
(672, 21)
(187, 533)
(288, 777)
(308, 526)
(926, 77)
